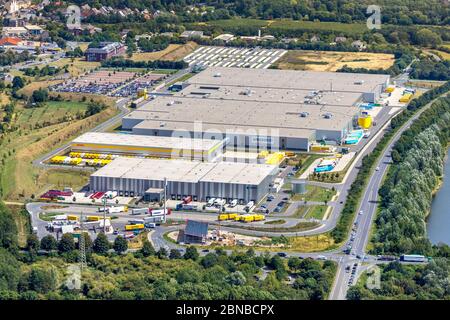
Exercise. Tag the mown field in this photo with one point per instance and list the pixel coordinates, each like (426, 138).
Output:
(173, 52)
(332, 60)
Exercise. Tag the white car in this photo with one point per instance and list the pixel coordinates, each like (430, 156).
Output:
(360, 212)
(377, 168)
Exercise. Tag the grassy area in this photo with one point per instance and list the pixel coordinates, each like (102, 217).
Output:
(316, 212)
(279, 221)
(51, 113)
(22, 219)
(19, 179)
(306, 161)
(314, 193)
(332, 61)
(48, 216)
(301, 226)
(310, 212)
(76, 66)
(320, 242)
(280, 25)
(173, 52)
(182, 78)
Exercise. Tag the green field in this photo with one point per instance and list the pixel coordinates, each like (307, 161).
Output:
(274, 26)
(314, 193)
(311, 212)
(51, 112)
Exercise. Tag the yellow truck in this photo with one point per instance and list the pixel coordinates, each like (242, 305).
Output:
(227, 216)
(132, 227)
(72, 218)
(95, 218)
(250, 217)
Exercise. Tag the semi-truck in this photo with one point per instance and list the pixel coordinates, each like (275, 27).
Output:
(413, 258)
(132, 227)
(139, 211)
(227, 216)
(117, 209)
(233, 203)
(159, 212)
(136, 221)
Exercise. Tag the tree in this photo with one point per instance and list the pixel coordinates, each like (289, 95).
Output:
(162, 253)
(42, 280)
(17, 83)
(49, 243)
(40, 95)
(120, 245)
(426, 37)
(209, 260)
(147, 249)
(66, 244)
(101, 244)
(8, 229)
(33, 243)
(191, 253)
(174, 254)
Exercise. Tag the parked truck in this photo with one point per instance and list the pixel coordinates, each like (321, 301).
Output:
(139, 211)
(159, 212)
(132, 227)
(187, 199)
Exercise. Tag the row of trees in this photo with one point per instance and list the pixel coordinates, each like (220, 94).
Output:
(157, 64)
(401, 12)
(8, 58)
(406, 282)
(406, 193)
(342, 228)
(429, 69)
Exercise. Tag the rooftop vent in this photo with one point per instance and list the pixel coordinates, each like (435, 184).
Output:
(359, 82)
(162, 124)
(170, 103)
(217, 75)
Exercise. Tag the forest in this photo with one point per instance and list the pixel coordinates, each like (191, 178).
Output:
(40, 271)
(429, 69)
(406, 193)
(406, 282)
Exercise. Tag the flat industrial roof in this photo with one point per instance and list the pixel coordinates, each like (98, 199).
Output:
(289, 79)
(234, 115)
(126, 140)
(288, 96)
(185, 171)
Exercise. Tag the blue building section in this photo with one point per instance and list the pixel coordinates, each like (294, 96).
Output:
(354, 137)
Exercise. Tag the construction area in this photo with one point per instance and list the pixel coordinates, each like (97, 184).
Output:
(257, 58)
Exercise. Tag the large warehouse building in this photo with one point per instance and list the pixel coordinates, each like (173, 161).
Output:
(260, 108)
(144, 145)
(201, 180)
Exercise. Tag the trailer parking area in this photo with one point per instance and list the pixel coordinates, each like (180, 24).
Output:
(257, 58)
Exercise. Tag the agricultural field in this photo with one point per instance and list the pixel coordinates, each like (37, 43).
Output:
(332, 60)
(173, 52)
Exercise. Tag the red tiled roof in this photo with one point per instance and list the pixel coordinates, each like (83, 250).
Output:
(10, 41)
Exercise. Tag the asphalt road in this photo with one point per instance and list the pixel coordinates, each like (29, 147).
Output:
(368, 207)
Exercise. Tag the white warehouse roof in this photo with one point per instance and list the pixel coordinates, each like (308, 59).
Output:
(185, 171)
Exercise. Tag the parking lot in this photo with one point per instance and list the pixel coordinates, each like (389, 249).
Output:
(99, 82)
(258, 58)
(144, 82)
